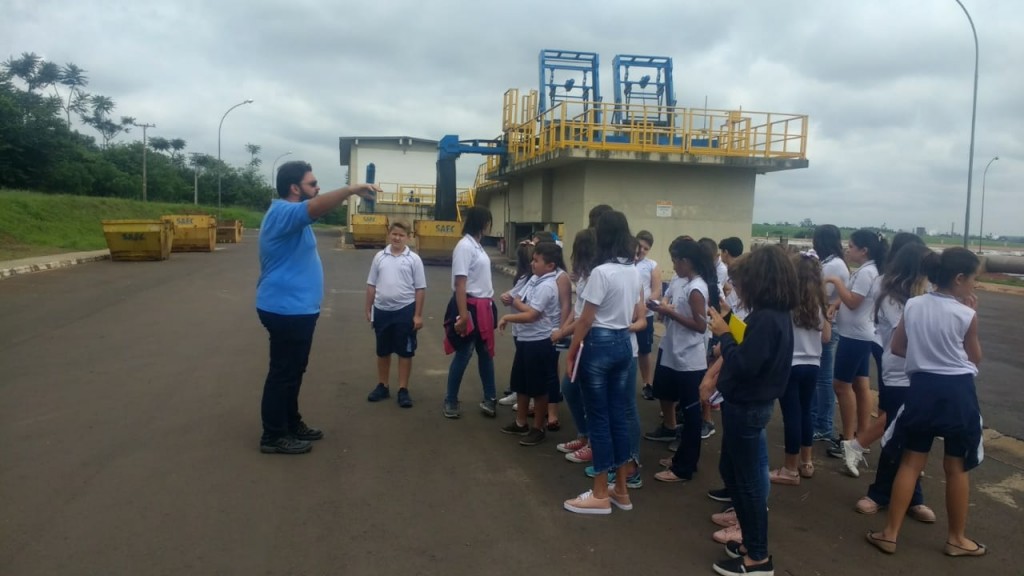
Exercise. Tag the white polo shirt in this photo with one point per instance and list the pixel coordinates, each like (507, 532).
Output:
(541, 294)
(894, 368)
(396, 278)
(470, 260)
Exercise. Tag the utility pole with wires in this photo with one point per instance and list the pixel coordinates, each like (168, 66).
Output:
(144, 127)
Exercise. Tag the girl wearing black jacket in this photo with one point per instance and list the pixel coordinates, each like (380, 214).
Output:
(754, 374)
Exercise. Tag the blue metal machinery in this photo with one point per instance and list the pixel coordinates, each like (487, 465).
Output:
(643, 81)
(448, 150)
(566, 73)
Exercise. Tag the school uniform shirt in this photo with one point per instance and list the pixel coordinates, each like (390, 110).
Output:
(646, 268)
(936, 325)
(876, 291)
(516, 290)
(858, 324)
(541, 294)
(894, 368)
(723, 272)
(614, 287)
(683, 349)
(291, 275)
(807, 345)
(396, 279)
(833, 266)
(470, 260)
(667, 297)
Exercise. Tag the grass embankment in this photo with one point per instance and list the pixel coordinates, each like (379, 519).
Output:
(34, 224)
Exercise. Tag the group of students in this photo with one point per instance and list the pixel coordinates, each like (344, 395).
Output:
(742, 331)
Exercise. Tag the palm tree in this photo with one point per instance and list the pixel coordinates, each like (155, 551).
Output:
(24, 68)
(253, 150)
(75, 79)
(101, 105)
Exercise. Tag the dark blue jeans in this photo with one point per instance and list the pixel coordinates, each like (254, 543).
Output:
(605, 364)
(744, 468)
(824, 406)
(291, 338)
(460, 361)
(796, 406)
(574, 400)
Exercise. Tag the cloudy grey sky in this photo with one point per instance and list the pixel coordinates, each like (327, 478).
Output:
(886, 83)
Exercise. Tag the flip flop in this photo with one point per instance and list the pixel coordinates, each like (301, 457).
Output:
(954, 550)
(887, 546)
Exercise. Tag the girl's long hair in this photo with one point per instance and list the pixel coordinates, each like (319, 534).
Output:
(683, 248)
(811, 302)
(523, 255)
(905, 276)
(584, 252)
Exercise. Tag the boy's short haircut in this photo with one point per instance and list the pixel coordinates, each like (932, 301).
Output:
(400, 224)
(551, 253)
(732, 245)
(544, 236)
(709, 246)
(646, 237)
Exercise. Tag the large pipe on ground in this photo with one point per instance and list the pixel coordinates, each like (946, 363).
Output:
(1003, 264)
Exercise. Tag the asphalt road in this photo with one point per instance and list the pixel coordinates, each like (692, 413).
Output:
(129, 424)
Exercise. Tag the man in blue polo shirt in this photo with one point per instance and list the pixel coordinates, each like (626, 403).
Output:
(288, 296)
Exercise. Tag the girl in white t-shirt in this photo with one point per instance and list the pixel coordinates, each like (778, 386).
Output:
(601, 346)
(867, 250)
(682, 358)
(524, 255)
(828, 244)
(938, 336)
(810, 330)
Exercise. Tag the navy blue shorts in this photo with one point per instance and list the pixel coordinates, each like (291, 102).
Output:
(853, 359)
(941, 406)
(645, 338)
(394, 329)
(535, 369)
(890, 398)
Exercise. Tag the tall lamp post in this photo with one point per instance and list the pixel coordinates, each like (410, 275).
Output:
(246, 101)
(274, 169)
(981, 229)
(974, 113)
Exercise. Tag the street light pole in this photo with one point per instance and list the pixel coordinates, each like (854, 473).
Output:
(246, 101)
(981, 229)
(974, 113)
(274, 169)
(144, 127)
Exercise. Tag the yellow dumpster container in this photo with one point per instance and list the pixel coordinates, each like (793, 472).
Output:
(134, 240)
(229, 232)
(193, 232)
(369, 230)
(435, 239)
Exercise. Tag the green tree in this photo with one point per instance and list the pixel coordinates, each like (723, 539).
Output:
(159, 144)
(254, 150)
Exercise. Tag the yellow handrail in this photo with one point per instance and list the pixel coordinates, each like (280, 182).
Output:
(649, 128)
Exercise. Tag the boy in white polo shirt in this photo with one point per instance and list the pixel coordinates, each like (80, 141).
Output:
(395, 293)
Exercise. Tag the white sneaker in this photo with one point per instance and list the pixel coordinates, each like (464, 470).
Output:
(852, 458)
(508, 400)
(586, 503)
